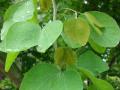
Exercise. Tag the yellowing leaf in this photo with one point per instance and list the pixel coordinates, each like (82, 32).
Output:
(64, 57)
(76, 32)
(45, 5)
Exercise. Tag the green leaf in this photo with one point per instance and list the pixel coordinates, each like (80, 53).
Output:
(49, 77)
(64, 57)
(91, 87)
(94, 22)
(6, 26)
(96, 47)
(76, 32)
(49, 35)
(110, 36)
(21, 11)
(102, 85)
(98, 83)
(11, 56)
(21, 36)
(45, 5)
(92, 62)
(1, 1)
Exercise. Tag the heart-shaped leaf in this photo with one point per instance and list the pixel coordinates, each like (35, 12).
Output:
(76, 32)
(49, 35)
(49, 77)
(21, 36)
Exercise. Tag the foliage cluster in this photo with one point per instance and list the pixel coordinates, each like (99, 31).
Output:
(72, 44)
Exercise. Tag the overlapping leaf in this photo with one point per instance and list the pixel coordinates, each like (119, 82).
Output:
(110, 33)
(6, 26)
(21, 36)
(18, 12)
(94, 23)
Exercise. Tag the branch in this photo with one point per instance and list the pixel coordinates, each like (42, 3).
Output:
(54, 10)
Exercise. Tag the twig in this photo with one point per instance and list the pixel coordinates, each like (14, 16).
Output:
(54, 17)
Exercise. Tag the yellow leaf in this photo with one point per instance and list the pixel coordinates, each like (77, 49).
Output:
(64, 57)
(76, 32)
(45, 5)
